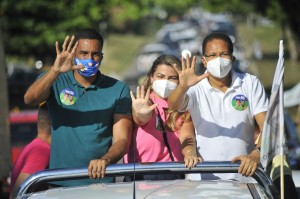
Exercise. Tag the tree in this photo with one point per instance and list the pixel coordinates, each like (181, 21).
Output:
(4, 127)
(32, 27)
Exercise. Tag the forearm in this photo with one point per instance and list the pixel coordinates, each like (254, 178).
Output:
(177, 97)
(121, 138)
(22, 176)
(40, 89)
(189, 147)
(116, 152)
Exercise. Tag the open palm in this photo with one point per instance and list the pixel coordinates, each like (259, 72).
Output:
(187, 75)
(140, 103)
(64, 58)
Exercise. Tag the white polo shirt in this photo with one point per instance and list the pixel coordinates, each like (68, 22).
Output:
(224, 122)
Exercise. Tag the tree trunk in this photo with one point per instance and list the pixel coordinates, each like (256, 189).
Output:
(291, 42)
(5, 159)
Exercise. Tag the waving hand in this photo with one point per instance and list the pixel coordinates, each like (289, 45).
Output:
(64, 58)
(141, 106)
(187, 75)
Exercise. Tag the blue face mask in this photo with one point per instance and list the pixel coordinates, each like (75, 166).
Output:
(90, 66)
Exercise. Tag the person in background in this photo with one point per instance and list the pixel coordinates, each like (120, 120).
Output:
(35, 156)
(224, 132)
(94, 128)
(152, 117)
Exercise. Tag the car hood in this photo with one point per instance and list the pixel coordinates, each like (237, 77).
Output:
(156, 189)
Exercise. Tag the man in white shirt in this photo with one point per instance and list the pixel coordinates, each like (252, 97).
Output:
(225, 131)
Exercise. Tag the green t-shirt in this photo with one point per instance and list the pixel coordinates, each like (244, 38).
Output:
(82, 120)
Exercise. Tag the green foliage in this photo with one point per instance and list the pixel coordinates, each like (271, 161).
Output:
(32, 27)
(240, 7)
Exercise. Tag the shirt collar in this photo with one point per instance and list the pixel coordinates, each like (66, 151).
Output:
(97, 83)
(236, 81)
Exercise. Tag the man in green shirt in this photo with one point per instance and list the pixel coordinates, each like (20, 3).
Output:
(90, 112)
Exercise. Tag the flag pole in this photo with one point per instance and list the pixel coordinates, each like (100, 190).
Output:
(281, 178)
(273, 139)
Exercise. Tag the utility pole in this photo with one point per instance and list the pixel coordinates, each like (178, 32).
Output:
(5, 159)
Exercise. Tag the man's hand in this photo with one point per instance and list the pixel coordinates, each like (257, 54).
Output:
(249, 163)
(187, 75)
(97, 168)
(64, 59)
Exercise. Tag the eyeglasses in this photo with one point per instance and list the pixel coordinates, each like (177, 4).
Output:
(222, 55)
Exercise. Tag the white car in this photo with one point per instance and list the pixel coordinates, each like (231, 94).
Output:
(180, 188)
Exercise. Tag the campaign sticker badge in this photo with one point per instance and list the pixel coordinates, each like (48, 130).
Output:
(240, 102)
(67, 96)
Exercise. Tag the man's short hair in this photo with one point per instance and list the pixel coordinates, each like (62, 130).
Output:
(217, 35)
(88, 33)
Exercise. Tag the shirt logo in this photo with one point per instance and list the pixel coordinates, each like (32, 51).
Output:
(67, 97)
(240, 102)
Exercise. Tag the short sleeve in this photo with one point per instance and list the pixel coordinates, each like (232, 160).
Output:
(37, 160)
(124, 102)
(259, 97)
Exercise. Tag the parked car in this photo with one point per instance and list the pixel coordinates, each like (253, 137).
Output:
(148, 54)
(180, 188)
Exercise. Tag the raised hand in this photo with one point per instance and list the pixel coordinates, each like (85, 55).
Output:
(64, 58)
(187, 75)
(141, 104)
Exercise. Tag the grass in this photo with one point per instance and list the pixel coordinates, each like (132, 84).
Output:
(120, 51)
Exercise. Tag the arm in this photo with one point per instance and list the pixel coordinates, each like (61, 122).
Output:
(39, 91)
(187, 78)
(188, 144)
(122, 129)
(142, 109)
(260, 119)
(250, 162)
(16, 187)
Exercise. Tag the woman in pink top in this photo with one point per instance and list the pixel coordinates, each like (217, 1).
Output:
(152, 117)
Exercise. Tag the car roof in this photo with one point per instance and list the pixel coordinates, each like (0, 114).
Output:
(153, 189)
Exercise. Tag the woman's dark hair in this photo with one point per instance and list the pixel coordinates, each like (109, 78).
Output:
(217, 35)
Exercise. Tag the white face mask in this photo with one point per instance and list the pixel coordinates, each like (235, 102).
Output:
(163, 87)
(219, 67)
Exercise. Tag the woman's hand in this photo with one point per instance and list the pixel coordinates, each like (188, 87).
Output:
(191, 159)
(141, 104)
